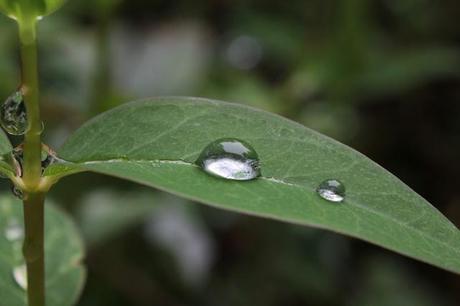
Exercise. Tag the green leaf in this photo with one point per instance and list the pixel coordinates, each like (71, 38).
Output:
(156, 142)
(5, 149)
(64, 251)
(5, 144)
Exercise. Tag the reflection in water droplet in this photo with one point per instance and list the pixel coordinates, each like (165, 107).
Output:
(14, 231)
(332, 190)
(231, 159)
(13, 117)
(17, 192)
(20, 276)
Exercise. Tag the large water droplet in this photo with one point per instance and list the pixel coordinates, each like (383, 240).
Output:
(14, 231)
(231, 159)
(332, 190)
(13, 117)
(20, 276)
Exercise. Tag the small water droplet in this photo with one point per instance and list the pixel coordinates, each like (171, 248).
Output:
(231, 159)
(14, 231)
(17, 192)
(48, 157)
(20, 276)
(13, 117)
(332, 190)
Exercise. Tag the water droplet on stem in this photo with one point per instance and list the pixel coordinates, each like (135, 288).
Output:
(231, 159)
(13, 115)
(48, 157)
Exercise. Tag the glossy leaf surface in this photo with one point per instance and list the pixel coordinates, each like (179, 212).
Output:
(156, 142)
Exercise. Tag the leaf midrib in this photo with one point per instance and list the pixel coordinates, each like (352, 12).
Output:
(354, 203)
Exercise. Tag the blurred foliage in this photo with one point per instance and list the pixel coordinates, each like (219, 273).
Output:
(26, 10)
(382, 76)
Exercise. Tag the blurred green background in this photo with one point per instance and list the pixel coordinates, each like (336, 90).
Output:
(382, 76)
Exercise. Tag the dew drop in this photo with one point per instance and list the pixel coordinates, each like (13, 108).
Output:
(13, 117)
(332, 190)
(17, 192)
(231, 159)
(20, 276)
(14, 231)
(48, 157)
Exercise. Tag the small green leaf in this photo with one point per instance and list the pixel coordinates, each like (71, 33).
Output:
(64, 251)
(29, 9)
(156, 143)
(5, 148)
(5, 144)
(60, 169)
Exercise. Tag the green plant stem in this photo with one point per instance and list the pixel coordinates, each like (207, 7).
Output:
(33, 198)
(33, 248)
(32, 139)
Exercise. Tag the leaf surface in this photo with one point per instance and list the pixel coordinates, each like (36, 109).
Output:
(5, 148)
(63, 248)
(5, 144)
(155, 142)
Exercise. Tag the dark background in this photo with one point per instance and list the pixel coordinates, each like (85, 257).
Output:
(382, 76)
